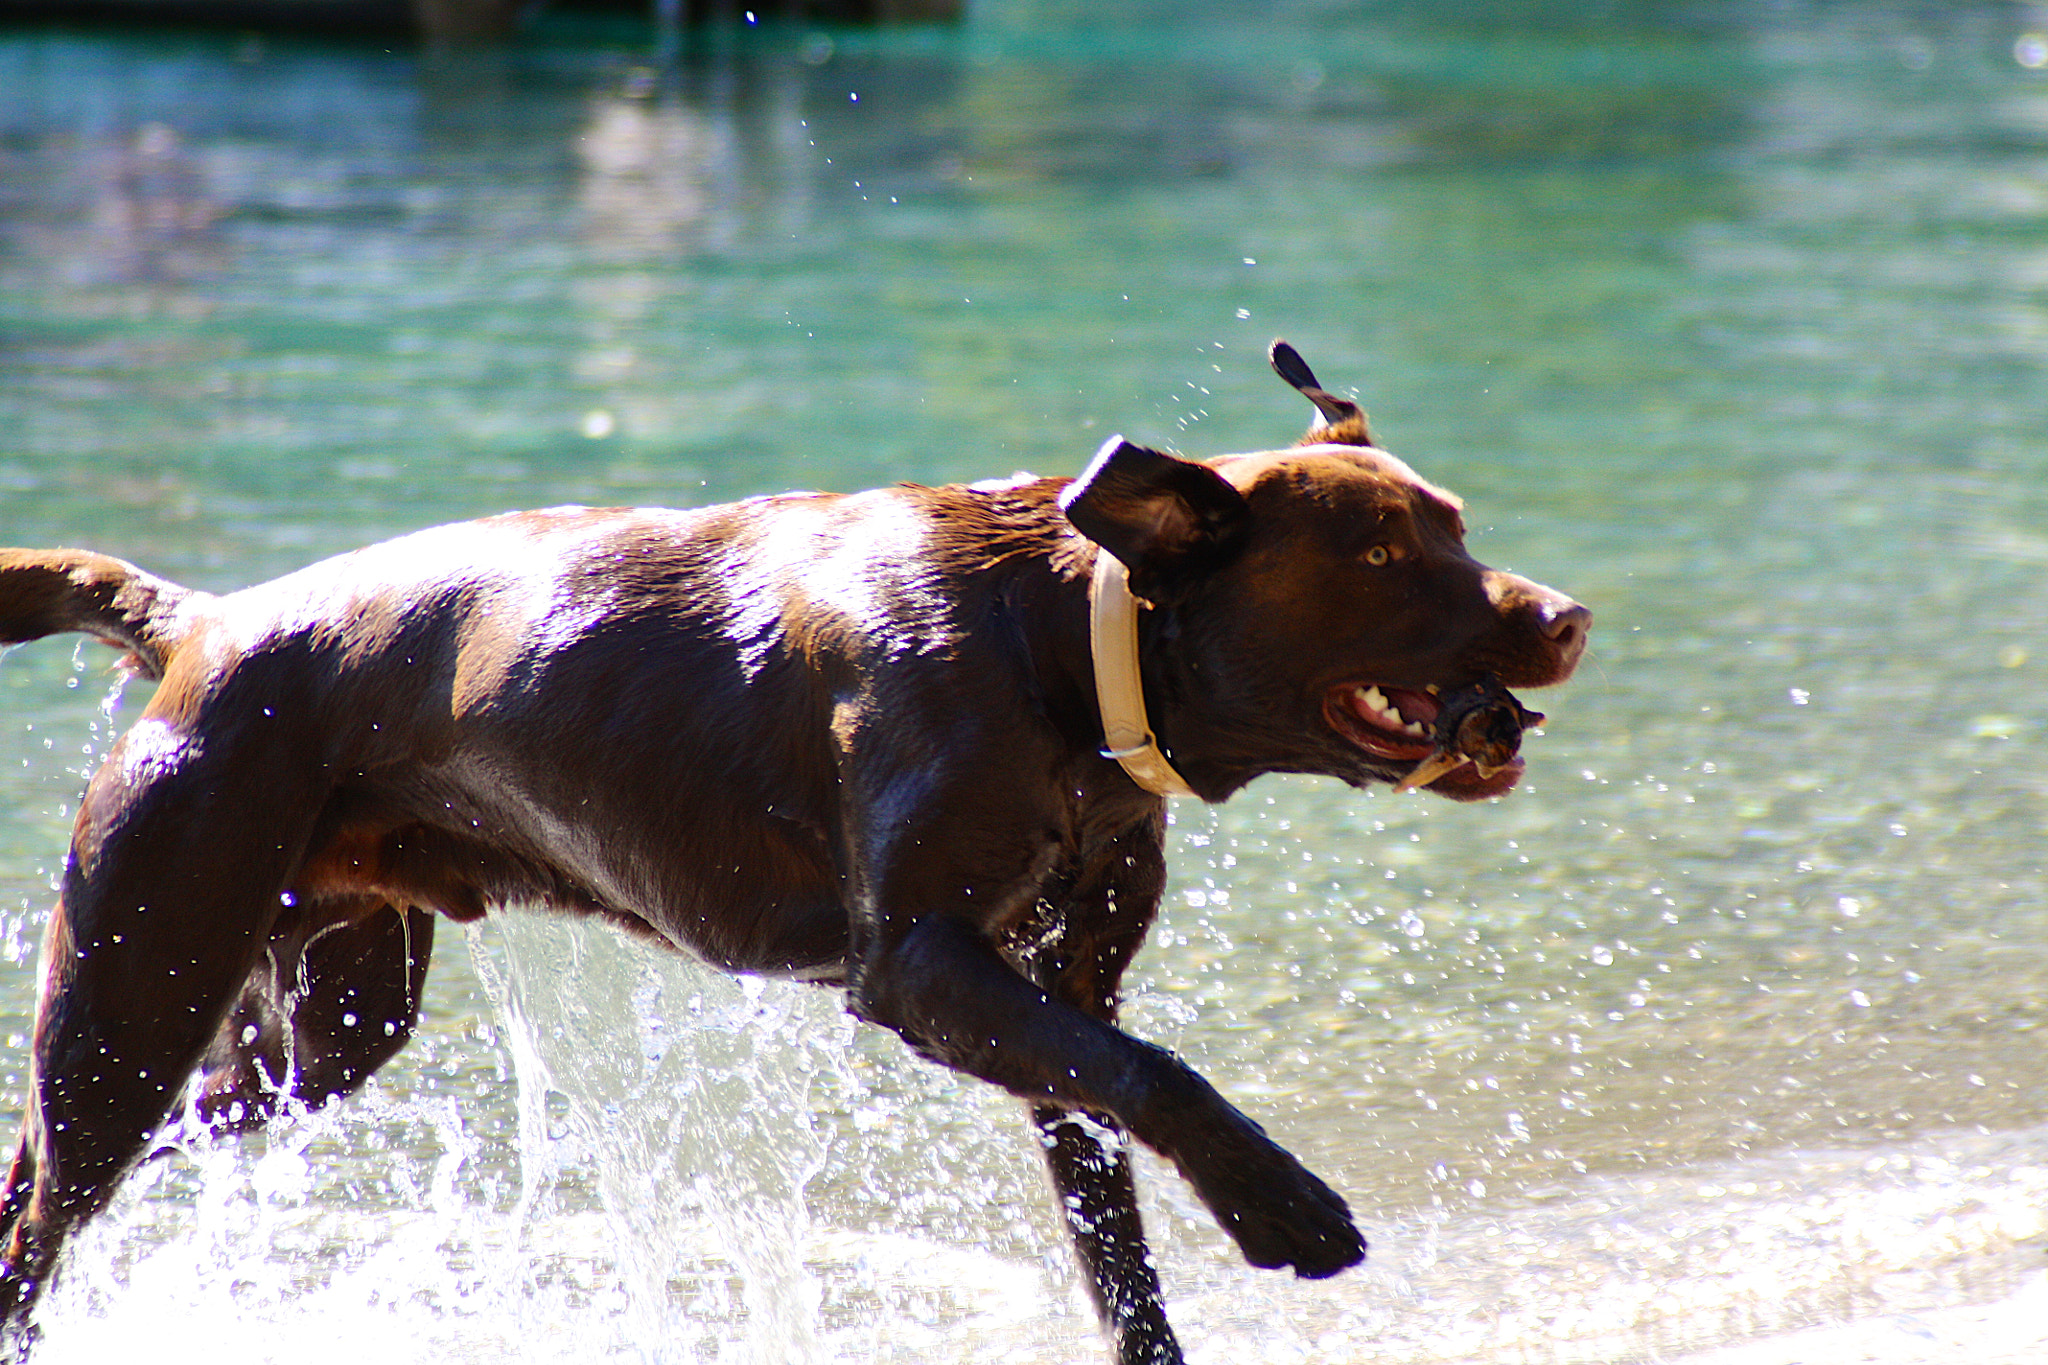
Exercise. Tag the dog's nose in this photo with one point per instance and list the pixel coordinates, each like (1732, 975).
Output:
(1565, 624)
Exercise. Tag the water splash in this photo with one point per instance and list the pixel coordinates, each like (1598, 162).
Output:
(695, 1114)
(706, 1169)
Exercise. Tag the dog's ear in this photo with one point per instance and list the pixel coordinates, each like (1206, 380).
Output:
(1160, 515)
(1343, 420)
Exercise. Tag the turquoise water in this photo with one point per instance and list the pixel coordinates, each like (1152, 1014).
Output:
(1732, 324)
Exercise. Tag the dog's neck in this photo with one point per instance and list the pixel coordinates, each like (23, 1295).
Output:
(1119, 690)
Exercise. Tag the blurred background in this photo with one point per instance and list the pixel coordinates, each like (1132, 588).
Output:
(1728, 318)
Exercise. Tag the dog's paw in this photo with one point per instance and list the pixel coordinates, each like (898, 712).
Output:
(1276, 1210)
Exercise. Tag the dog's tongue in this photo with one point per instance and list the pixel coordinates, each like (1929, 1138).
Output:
(1417, 707)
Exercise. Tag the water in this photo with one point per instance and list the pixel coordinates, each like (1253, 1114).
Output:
(1731, 322)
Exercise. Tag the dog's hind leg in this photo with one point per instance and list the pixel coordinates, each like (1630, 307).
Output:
(334, 996)
(180, 855)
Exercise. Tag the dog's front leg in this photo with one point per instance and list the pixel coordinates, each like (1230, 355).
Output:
(1091, 1173)
(1095, 932)
(950, 851)
(945, 988)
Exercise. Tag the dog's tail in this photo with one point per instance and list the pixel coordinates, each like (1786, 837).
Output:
(47, 592)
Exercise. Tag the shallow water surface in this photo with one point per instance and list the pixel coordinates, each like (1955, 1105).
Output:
(1731, 323)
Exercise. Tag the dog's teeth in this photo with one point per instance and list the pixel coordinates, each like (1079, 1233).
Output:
(1372, 699)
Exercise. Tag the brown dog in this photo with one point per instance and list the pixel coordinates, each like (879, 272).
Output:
(855, 740)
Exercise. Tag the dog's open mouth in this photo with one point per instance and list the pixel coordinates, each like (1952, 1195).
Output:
(1458, 744)
(1395, 723)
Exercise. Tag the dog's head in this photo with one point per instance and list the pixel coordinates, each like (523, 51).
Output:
(1311, 604)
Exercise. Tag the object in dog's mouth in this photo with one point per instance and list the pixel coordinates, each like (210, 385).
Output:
(1482, 725)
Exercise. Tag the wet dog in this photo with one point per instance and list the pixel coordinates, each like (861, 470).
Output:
(911, 742)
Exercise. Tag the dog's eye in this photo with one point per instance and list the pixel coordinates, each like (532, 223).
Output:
(1378, 555)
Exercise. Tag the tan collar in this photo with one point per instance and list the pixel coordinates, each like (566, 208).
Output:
(1113, 641)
